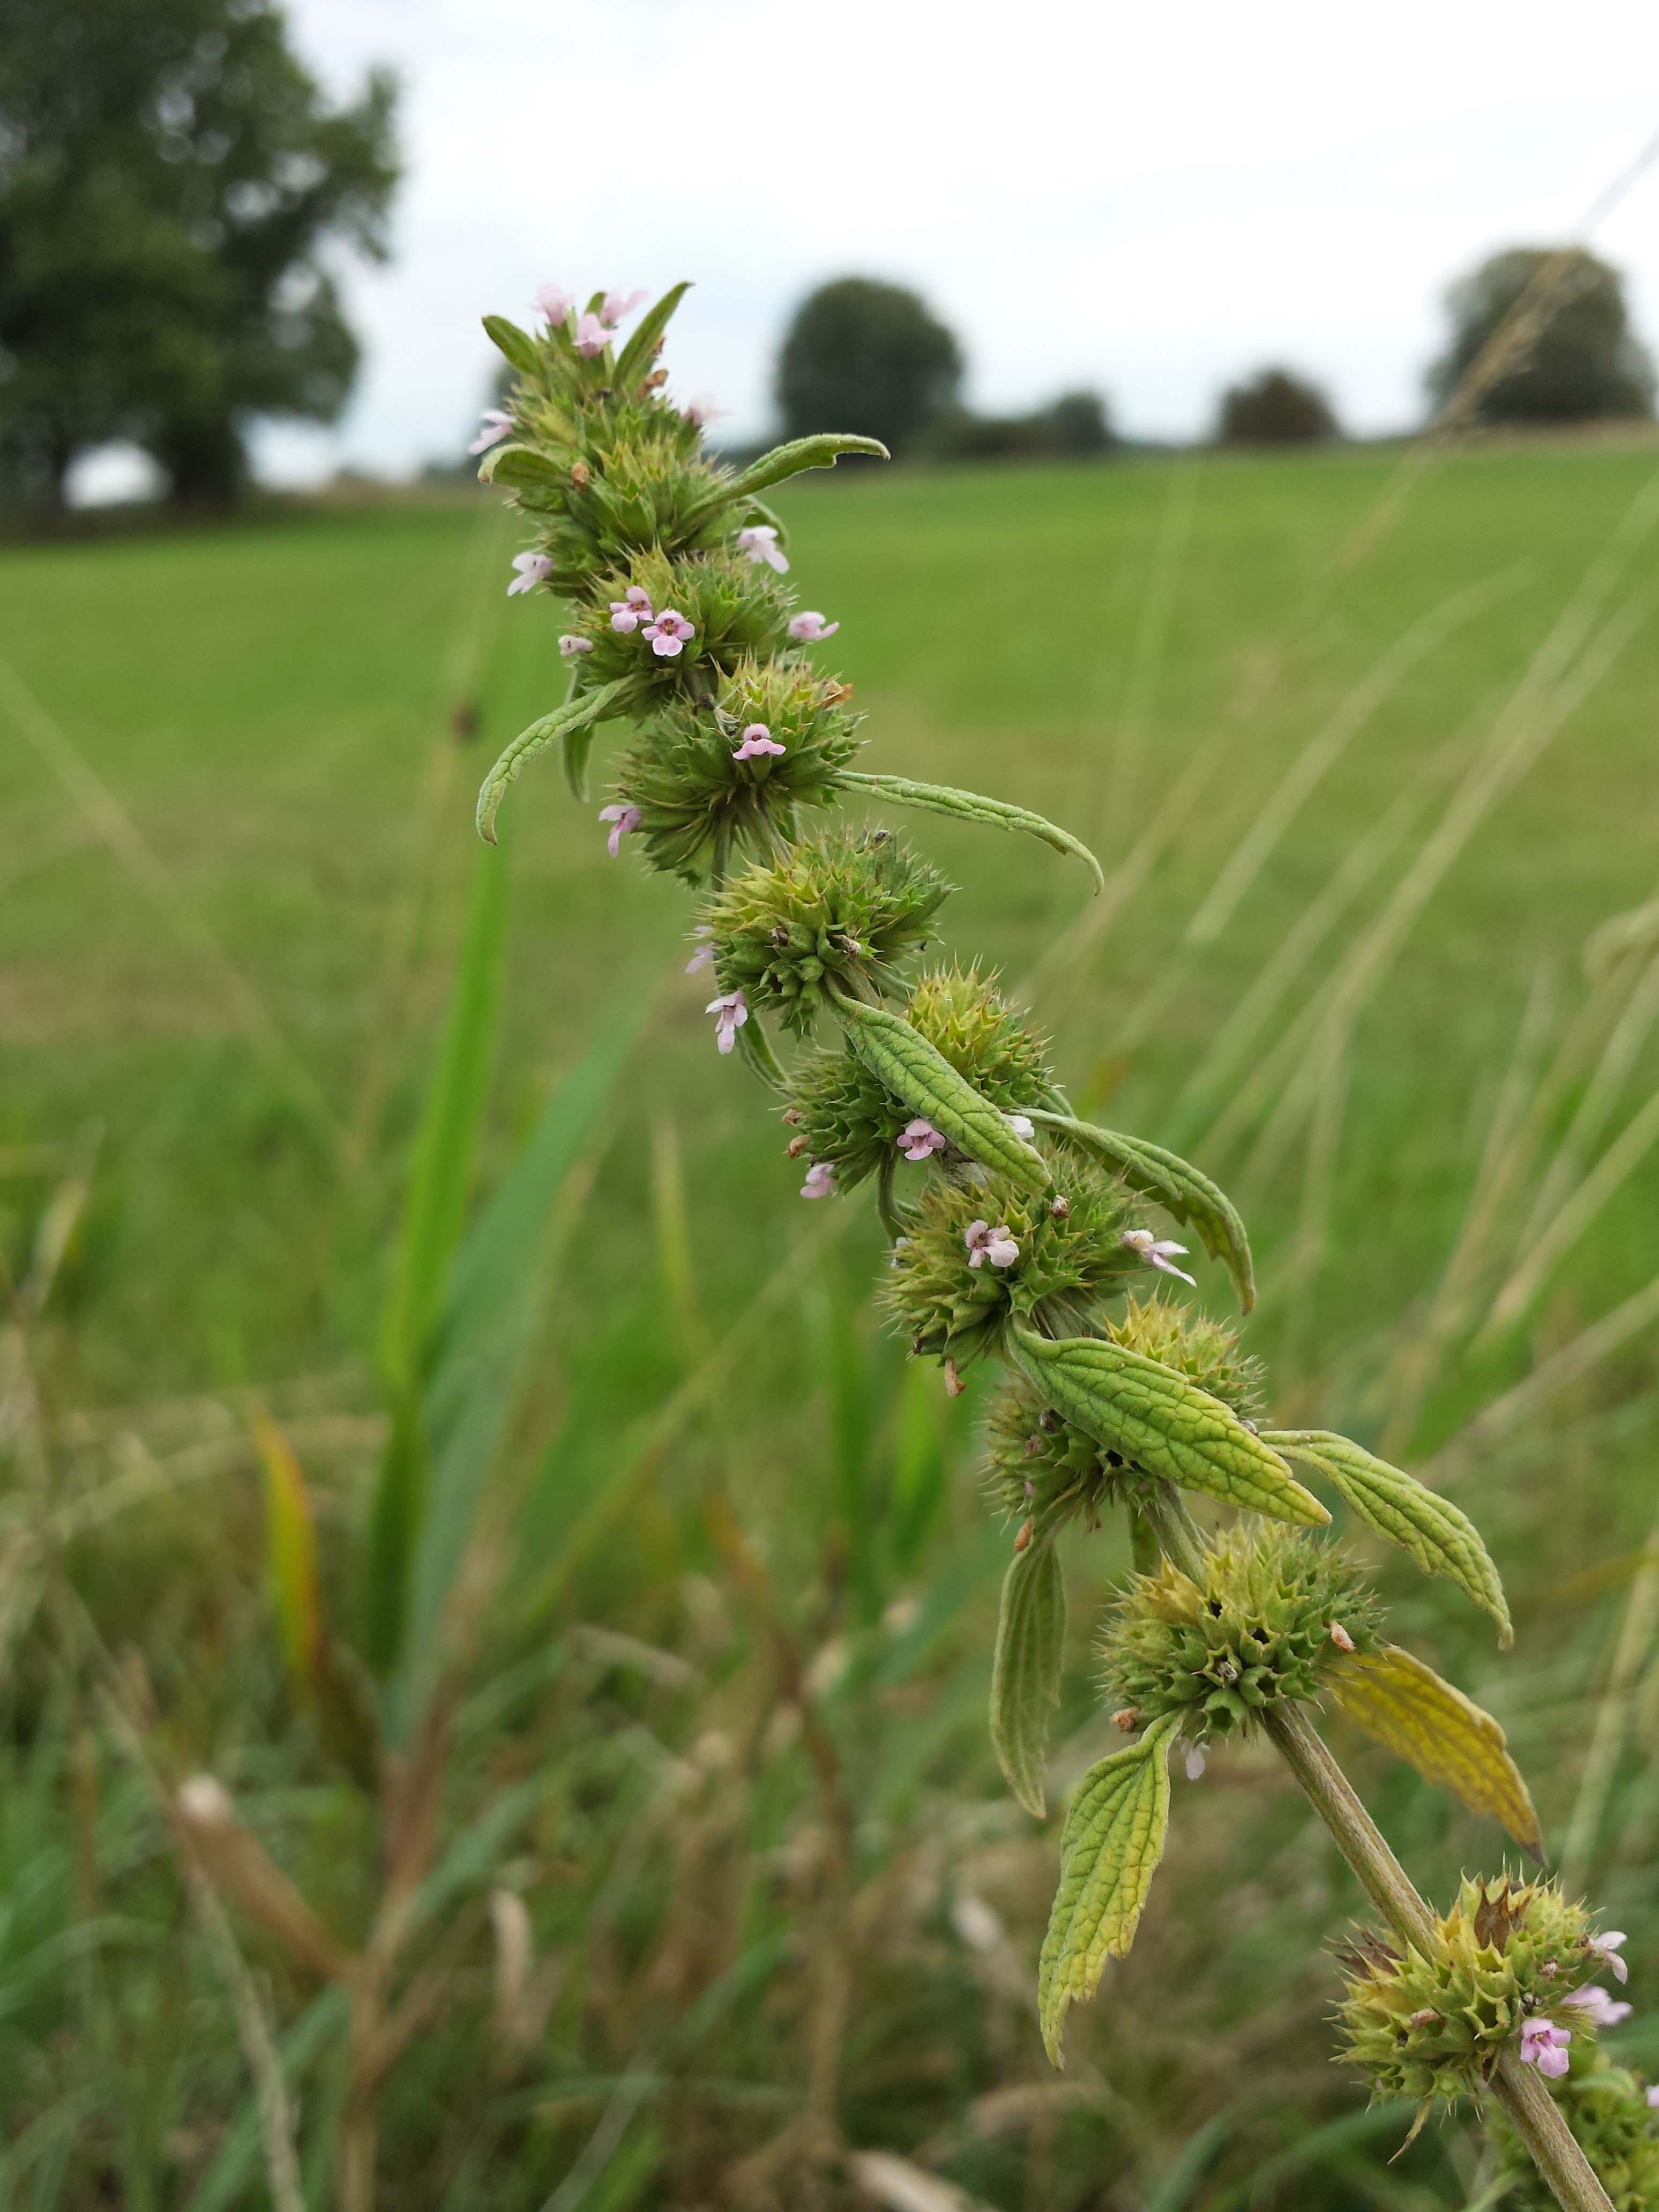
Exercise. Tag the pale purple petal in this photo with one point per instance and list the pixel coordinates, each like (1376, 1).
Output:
(1194, 1762)
(533, 569)
(703, 410)
(623, 821)
(572, 647)
(1002, 1251)
(1653, 2098)
(1155, 1252)
(1601, 2010)
(1022, 1125)
(497, 426)
(1608, 1945)
(820, 1181)
(810, 626)
(592, 335)
(731, 1011)
(619, 305)
(918, 1140)
(701, 958)
(760, 543)
(554, 304)
(757, 741)
(633, 608)
(668, 634)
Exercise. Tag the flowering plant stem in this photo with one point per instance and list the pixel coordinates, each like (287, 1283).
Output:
(1537, 2118)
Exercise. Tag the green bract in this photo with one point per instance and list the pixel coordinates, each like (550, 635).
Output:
(839, 912)
(1263, 1629)
(1432, 2023)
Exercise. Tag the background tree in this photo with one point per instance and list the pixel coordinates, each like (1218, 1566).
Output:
(1585, 362)
(171, 178)
(870, 358)
(1275, 408)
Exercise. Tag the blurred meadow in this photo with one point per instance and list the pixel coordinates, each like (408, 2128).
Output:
(712, 1894)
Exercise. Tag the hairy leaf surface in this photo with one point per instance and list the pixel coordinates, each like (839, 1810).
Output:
(821, 452)
(635, 357)
(518, 465)
(916, 1072)
(517, 345)
(1177, 1185)
(1441, 1538)
(1025, 1674)
(1163, 1422)
(1446, 1736)
(969, 807)
(571, 725)
(1109, 1853)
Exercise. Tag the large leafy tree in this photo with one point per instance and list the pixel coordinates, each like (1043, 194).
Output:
(1583, 362)
(172, 181)
(866, 357)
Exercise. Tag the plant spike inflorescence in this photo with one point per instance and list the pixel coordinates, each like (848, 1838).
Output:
(1022, 1234)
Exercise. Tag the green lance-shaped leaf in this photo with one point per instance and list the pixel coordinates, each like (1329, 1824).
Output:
(1176, 1185)
(518, 465)
(1109, 1853)
(1025, 1673)
(571, 725)
(1441, 1538)
(969, 807)
(517, 345)
(1446, 1736)
(634, 359)
(819, 453)
(916, 1072)
(1163, 1422)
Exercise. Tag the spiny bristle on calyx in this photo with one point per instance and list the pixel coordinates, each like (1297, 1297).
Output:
(838, 912)
(845, 1117)
(1501, 1968)
(1613, 2114)
(685, 623)
(1277, 1609)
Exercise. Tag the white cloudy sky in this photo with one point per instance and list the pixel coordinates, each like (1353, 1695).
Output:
(1149, 198)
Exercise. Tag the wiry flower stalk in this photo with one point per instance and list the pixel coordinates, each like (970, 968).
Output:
(1024, 1235)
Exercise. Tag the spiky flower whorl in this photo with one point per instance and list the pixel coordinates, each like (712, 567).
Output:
(1615, 2126)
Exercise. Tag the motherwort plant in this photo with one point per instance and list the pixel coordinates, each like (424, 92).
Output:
(1025, 1235)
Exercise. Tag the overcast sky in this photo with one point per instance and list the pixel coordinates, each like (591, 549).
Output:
(1151, 199)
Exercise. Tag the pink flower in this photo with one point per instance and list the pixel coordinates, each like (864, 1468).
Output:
(533, 569)
(810, 628)
(633, 609)
(497, 426)
(1607, 1945)
(701, 958)
(820, 1181)
(572, 647)
(703, 410)
(731, 1011)
(1601, 2010)
(917, 1141)
(668, 634)
(554, 304)
(995, 1245)
(592, 335)
(760, 543)
(758, 740)
(624, 820)
(1543, 2044)
(1653, 2099)
(616, 305)
(1156, 1250)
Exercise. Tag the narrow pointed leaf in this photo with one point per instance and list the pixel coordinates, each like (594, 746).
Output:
(570, 724)
(1163, 1422)
(1446, 1736)
(518, 465)
(633, 362)
(1179, 1189)
(1441, 1538)
(291, 1555)
(918, 1075)
(819, 453)
(517, 345)
(969, 807)
(1025, 1673)
(1109, 1853)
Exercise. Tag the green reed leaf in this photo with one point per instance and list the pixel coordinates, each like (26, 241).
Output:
(1025, 1672)
(918, 1075)
(1435, 1532)
(1447, 1737)
(969, 807)
(572, 727)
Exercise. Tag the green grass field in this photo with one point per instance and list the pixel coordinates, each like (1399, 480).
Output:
(1362, 781)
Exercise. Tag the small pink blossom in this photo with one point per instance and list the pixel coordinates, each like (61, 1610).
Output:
(917, 1141)
(820, 1181)
(731, 1011)
(592, 335)
(1653, 2099)
(623, 821)
(810, 628)
(632, 608)
(572, 647)
(668, 634)
(701, 958)
(554, 304)
(703, 410)
(1156, 1250)
(1598, 2007)
(985, 1242)
(533, 569)
(496, 426)
(617, 306)
(1607, 1945)
(1543, 2044)
(760, 543)
(757, 740)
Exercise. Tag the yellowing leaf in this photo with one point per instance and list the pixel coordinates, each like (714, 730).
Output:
(1025, 1675)
(291, 1553)
(1163, 1422)
(1440, 1538)
(1446, 1736)
(1109, 1853)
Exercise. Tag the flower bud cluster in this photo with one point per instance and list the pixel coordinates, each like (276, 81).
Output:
(1508, 1965)
(1277, 1607)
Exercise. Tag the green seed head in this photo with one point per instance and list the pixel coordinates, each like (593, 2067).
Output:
(840, 911)
(1432, 2024)
(845, 1116)
(1257, 1634)
(737, 609)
